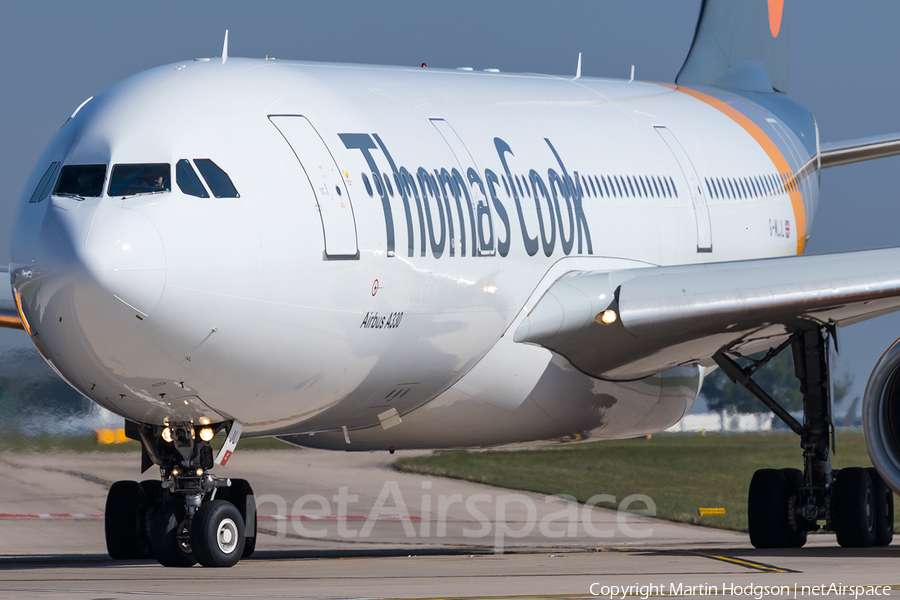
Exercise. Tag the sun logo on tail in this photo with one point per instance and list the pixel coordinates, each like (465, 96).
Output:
(776, 7)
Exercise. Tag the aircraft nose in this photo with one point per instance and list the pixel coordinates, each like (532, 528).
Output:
(124, 255)
(102, 267)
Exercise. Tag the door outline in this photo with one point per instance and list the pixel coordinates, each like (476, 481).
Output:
(340, 220)
(464, 157)
(698, 198)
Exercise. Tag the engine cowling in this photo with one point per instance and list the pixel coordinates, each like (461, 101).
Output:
(881, 416)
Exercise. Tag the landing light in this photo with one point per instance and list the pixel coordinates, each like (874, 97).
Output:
(607, 317)
(175, 472)
(199, 472)
(207, 434)
(167, 435)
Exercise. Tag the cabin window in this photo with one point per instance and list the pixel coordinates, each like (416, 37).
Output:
(218, 180)
(45, 184)
(81, 181)
(187, 180)
(674, 189)
(366, 183)
(387, 184)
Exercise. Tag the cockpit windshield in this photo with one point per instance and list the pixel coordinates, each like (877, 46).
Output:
(131, 180)
(82, 181)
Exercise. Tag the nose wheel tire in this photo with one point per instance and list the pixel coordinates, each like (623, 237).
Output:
(884, 509)
(169, 536)
(125, 522)
(854, 508)
(241, 495)
(217, 534)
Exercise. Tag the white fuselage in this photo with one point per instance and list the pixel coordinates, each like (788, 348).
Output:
(320, 299)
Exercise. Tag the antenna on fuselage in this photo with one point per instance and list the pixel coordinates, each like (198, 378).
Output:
(578, 68)
(225, 48)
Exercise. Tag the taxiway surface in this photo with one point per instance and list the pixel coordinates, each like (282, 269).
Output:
(346, 525)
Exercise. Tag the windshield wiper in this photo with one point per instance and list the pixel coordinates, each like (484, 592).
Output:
(69, 195)
(143, 194)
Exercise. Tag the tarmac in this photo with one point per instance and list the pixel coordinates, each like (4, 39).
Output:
(347, 525)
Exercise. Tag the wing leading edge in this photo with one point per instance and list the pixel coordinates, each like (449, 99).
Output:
(9, 314)
(670, 316)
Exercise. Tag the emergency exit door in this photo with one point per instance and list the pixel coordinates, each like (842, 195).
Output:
(701, 208)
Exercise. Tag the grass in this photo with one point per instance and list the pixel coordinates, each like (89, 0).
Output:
(88, 443)
(680, 472)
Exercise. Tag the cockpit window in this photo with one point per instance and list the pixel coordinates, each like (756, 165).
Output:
(187, 179)
(81, 181)
(218, 181)
(131, 180)
(44, 185)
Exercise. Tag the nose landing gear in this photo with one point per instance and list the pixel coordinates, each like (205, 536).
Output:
(190, 516)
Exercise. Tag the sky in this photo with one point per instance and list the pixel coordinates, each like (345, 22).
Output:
(844, 69)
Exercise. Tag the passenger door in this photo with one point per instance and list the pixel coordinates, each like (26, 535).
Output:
(332, 196)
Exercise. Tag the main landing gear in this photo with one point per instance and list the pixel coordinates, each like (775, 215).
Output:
(785, 504)
(189, 516)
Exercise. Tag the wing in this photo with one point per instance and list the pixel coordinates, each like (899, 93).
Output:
(663, 317)
(9, 314)
(835, 154)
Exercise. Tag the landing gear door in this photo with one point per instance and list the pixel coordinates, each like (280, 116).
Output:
(484, 233)
(701, 209)
(328, 185)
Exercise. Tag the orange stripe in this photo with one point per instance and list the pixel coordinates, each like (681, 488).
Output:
(770, 149)
(776, 8)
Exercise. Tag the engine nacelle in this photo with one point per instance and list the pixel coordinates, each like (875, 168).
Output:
(881, 416)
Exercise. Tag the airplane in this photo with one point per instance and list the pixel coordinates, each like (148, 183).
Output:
(370, 258)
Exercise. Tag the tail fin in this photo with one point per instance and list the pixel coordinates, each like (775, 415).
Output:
(740, 44)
